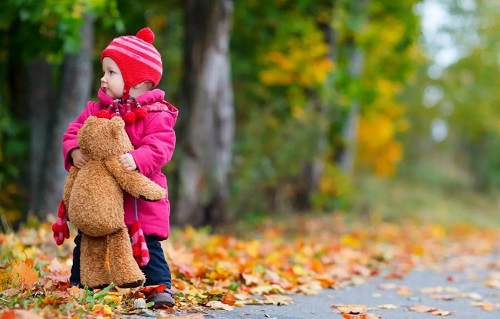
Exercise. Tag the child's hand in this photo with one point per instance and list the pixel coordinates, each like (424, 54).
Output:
(128, 162)
(78, 159)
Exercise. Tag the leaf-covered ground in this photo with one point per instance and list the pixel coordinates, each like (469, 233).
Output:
(264, 266)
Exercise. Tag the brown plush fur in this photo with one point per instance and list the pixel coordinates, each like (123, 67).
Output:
(93, 196)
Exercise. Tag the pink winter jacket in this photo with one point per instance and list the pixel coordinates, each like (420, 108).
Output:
(154, 142)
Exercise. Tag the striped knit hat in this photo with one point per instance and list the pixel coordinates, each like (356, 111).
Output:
(136, 57)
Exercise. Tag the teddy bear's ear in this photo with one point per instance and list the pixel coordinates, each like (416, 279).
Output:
(91, 119)
(117, 121)
(117, 124)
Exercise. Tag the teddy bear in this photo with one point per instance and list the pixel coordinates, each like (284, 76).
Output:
(93, 196)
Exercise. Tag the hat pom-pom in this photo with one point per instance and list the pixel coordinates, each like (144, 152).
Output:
(140, 112)
(129, 118)
(103, 114)
(146, 34)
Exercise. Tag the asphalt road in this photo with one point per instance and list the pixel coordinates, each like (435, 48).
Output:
(463, 287)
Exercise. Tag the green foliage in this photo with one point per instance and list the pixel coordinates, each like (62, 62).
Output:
(293, 80)
(51, 27)
(32, 30)
(269, 170)
(13, 148)
(268, 78)
(280, 66)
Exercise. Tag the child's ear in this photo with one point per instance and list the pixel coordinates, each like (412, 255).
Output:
(139, 85)
(144, 83)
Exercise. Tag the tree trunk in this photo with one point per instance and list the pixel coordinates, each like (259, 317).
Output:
(40, 105)
(209, 130)
(74, 93)
(355, 59)
(312, 170)
(350, 130)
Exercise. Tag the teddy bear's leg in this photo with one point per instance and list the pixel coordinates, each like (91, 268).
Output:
(125, 272)
(93, 270)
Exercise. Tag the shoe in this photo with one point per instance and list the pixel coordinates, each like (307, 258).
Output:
(163, 299)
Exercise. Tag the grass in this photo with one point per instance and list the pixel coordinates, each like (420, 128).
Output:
(436, 195)
(425, 193)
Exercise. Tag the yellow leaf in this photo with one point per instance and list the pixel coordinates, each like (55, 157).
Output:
(388, 306)
(298, 270)
(267, 289)
(4, 277)
(114, 298)
(277, 300)
(350, 241)
(217, 305)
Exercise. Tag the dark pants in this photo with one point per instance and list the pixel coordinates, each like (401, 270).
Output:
(156, 271)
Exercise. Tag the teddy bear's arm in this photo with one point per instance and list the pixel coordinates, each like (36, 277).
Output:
(68, 184)
(134, 182)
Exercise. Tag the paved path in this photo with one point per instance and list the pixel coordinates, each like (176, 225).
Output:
(454, 288)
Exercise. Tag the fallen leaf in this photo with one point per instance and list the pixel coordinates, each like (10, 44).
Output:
(19, 314)
(277, 300)
(229, 298)
(351, 309)
(10, 292)
(439, 312)
(485, 305)
(23, 274)
(217, 305)
(422, 308)
(388, 306)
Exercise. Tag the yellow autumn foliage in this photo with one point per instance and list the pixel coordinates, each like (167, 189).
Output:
(304, 62)
(378, 148)
(387, 32)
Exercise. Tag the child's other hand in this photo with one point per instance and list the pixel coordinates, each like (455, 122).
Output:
(78, 159)
(128, 162)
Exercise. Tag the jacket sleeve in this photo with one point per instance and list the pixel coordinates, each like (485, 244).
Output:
(157, 146)
(70, 137)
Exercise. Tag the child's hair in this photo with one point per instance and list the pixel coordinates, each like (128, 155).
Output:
(137, 58)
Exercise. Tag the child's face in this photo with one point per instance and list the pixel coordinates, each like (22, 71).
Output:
(112, 80)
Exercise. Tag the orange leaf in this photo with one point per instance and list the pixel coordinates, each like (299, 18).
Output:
(63, 285)
(24, 274)
(8, 314)
(19, 314)
(153, 289)
(150, 291)
(229, 298)
(53, 301)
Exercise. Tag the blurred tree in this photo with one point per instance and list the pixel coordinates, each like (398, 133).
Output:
(313, 81)
(282, 62)
(333, 74)
(209, 132)
(43, 50)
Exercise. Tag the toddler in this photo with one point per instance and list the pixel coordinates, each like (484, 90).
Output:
(132, 67)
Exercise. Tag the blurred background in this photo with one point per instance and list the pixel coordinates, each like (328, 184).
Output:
(383, 110)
